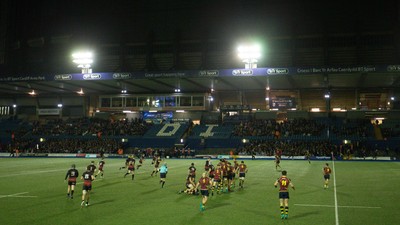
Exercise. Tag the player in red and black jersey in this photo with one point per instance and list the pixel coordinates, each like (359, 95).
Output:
(101, 170)
(192, 170)
(277, 162)
(327, 174)
(204, 183)
(224, 168)
(231, 176)
(154, 160)
(156, 166)
(127, 160)
(284, 183)
(207, 165)
(242, 170)
(91, 167)
(72, 174)
(217, 181)
(131, 169)
(87, 178)
(141, 160)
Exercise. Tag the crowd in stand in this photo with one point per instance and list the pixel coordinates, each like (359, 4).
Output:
(303, 127)
(291, 148)
(101, 135)
(90, 126)
(72, 145)
(352, 128)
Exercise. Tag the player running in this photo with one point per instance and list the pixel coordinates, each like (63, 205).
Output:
(131, 169)
(100, 170)
(91, 167)
(204, 183)
(87, 178)
(72, 174)
(163, 174)
(156, 165)
(327, 175)
(141, 160)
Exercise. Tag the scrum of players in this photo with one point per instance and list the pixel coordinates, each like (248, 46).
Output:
(222, 177)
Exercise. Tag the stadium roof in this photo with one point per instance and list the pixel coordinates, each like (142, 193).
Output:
(371, 78)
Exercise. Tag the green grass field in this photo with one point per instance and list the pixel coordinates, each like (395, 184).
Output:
(33, 191)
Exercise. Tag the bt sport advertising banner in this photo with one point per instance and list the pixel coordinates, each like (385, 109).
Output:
(269, 71)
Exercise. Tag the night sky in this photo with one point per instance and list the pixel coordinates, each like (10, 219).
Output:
(134, 19)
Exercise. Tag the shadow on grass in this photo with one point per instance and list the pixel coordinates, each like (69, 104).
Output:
(102, 202)
(107, 184)
(149, 191)
(307, 214)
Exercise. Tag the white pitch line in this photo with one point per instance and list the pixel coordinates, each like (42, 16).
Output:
(17, 195)
(340, 206)
(334, 190)
(30, 173)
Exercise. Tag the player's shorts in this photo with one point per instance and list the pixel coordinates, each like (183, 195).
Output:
(131, 169)
(101, 169)
(327, 176)
(163, 175)
(230, 176)
(87, 187)
(283, 195)
(217, 181)
(72, 182)
(242, 174)
(225, 177)
(204, 192)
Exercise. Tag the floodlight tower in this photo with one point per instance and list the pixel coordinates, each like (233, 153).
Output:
(249, 54)
(83, 60)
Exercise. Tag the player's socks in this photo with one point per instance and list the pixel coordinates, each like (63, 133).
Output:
(126, 174)
(162, 185)
(282, 210)
(286, 212)
(82, 203)
(133, 176)
(72, 194)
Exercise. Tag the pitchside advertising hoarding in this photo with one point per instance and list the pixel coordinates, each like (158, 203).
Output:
(268, 71)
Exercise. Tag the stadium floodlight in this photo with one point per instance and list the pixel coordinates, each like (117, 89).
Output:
(84, 60)
(249, 54)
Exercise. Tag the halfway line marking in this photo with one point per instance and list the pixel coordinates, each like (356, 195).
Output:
(334, 189)
(17, 195)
